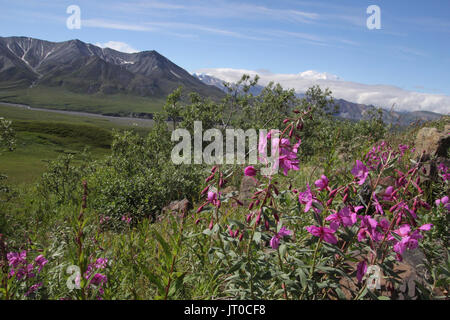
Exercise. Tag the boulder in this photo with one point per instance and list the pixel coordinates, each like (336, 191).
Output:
(180, 206)
(431, 142)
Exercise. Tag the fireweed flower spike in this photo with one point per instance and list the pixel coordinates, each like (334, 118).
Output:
(275, 241)
(324, 233)
(360, 172)
(287, 154)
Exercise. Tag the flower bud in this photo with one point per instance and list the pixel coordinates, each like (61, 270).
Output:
(258, 218)
(200, 208)
(211, 224)
(277, 218)
(205, 190)
(332, 193)
(345, 198)
(329, 202)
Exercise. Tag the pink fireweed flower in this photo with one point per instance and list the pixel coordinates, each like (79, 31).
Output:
(275, 241)
(98, 279)
(287, 154)
(444, 172)
(307, 198)
(402, 148)
(15, 258)
(360, 172)
(324, 233)
(376, 204)
(33, 288)
(101, 263)
(368, 227)
(213, 198)
(361, 270)
(409, 240)
(389, 194)
(344, 217)
(41, 262)
(444, 201)
(405, 210)
(322, 183)
(250, 171)
(20, 266)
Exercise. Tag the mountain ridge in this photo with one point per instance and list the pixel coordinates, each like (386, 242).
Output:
(348, 110)
(86, 68)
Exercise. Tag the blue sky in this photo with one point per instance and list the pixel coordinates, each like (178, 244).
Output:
(411, 51)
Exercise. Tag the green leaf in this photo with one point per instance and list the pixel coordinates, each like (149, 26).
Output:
(383, 298)
(257, 237)
(282, 249)
(396, 236)
(163, 244)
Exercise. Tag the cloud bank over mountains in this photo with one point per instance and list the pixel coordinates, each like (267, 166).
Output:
(117, 45)
(384, 96)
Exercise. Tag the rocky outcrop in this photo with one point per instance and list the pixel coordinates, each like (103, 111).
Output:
(432, 149)
(181, 206)
(432, 142)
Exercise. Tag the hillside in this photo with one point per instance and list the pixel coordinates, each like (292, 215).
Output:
(67, 71)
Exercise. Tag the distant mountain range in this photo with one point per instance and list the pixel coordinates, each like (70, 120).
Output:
(347, 110)
(73, 75)
(85, 68)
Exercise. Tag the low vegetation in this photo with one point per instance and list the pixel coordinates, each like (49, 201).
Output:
(349, 198)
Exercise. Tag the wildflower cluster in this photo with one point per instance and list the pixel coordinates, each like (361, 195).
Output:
(24, 274)
(377, 214)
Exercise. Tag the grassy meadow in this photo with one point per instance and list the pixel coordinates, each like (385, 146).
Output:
(43, 136)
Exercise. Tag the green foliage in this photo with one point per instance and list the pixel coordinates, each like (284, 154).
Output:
(137, 180)
(7, 135)
(223, 250)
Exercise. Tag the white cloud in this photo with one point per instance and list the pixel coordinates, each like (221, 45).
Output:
(379, 95)
(117, 45)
